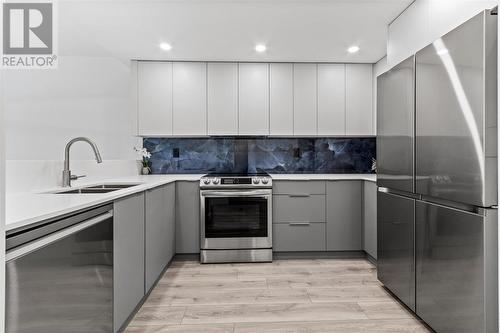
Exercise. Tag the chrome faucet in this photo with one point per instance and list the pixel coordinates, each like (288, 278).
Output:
(67, 177)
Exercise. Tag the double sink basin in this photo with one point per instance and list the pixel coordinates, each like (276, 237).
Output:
(96, 189)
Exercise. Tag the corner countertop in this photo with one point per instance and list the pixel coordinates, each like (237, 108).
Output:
(333, 176)
(23, 209)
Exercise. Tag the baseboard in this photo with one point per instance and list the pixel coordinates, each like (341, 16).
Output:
(371, 259)
(320, 255)
(297, 255)
(187, 256)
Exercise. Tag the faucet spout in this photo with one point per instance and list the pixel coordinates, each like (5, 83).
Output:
(67, 177)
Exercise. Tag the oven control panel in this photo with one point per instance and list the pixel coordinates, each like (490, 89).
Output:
(236, 182)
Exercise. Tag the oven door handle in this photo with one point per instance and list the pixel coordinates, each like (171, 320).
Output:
(253, 193)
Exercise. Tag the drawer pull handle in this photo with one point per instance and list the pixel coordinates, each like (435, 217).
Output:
(299, 223)
(299, 195)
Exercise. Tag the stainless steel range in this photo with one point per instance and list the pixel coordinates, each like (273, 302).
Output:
(236, 218)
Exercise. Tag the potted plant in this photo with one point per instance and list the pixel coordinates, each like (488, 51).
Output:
(145, 156)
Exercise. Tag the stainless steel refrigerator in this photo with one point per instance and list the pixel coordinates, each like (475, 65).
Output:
(437, 178)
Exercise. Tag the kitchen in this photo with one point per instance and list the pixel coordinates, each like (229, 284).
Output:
(251, 166)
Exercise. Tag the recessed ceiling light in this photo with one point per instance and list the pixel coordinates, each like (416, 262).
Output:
(260, 48)
(353, 49)
(165, 46)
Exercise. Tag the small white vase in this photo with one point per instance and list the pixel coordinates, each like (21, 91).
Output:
(145, 170)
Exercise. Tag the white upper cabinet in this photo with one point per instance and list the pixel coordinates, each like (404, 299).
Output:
(281, 99)
(253, 99)
(189, 98)
(230, 98)
(359, 101)
(222, 98)
(331, 99)
(154, 98)
(305, 99)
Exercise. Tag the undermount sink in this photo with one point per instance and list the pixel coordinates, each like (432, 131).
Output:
(96, 189)
(111, 186)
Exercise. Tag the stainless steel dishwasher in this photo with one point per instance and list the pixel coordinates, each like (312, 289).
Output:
(59, 275)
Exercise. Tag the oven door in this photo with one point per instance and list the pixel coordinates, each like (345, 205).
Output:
(239, 219)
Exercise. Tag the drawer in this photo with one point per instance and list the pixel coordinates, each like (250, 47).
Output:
(299, 187)
(299, 237)
(303, 208)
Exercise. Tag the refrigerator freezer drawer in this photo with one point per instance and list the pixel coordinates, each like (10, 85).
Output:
(395, 127)
(395, 241)
(456, 114)
(456, 269)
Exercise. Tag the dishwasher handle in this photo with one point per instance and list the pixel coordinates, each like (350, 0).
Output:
(41, 242)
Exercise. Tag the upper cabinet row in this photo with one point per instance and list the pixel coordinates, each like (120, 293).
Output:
(283, 99)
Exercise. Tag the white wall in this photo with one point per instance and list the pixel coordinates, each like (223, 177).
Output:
(2, 208)
(426, 20)
(44, 109)
(2, 199)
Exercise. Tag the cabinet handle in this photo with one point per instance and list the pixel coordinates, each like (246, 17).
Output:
(397, 223)
(299, 195)
(299, 223)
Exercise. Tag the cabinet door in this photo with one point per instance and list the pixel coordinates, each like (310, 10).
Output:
(359, 101)
(281, 99)
(128, 257)
(301, 208)
(299, 236)
(157, 247)
(370, 218)
(305, 99)
(253, 99)
(170, 206)
(154, 98)
(343, 216)
(331, 99)
(222, 98)
(187, 228)
(189, 98)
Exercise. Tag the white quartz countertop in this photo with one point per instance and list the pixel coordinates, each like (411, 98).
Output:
(23, 209)
(347, 176)
(26, 208)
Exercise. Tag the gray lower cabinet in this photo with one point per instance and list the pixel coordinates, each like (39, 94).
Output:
(187, 226)
(160, 211)
(128, 259)
(370, 218)
(299, 187)
(299, 236)
(298, 208)
(170, 191)
(343, 215)
(299, 216)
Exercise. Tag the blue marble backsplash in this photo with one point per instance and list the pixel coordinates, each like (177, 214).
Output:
(273, 155)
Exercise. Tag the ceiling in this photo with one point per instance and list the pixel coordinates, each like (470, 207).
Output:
(293, 30)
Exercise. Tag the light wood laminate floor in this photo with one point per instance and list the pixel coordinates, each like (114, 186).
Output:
(321, 295)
